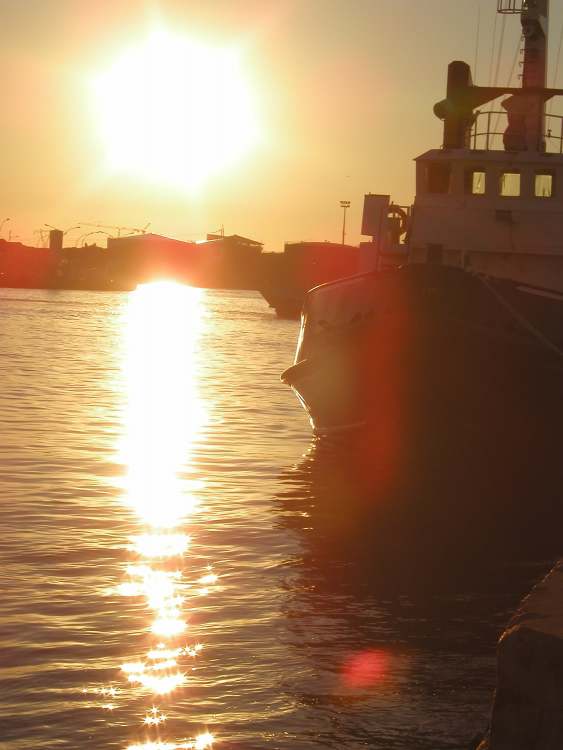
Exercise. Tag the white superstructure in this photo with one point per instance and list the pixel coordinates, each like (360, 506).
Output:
(495, 211)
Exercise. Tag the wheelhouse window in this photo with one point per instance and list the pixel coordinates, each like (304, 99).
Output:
(475, 181)
(544, 185)
(510, 184)
(438, 175)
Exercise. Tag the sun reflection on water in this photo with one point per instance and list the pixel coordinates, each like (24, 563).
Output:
(163, 418)
(201, 742)
(164, 414)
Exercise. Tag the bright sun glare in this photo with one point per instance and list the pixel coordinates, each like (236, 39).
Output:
(176, 112)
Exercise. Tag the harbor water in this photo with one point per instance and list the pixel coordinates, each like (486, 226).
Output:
(180, 561)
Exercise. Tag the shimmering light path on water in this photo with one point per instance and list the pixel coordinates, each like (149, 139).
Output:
(182, 567)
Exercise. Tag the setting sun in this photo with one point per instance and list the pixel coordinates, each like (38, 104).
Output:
(175, 112)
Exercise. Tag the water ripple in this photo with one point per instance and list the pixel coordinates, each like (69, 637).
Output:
(178, 571)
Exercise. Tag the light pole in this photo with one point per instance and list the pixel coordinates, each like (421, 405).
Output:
(345, 205)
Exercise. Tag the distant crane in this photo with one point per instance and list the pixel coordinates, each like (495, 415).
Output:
(42, 234)
(64, 231)
(81, 239)
(3, 222)
(134, 230)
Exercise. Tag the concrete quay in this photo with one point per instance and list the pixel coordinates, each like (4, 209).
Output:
(527, 711)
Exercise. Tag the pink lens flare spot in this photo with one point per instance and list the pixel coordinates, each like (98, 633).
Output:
(365, 669)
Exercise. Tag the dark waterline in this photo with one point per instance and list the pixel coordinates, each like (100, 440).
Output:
(161, 492)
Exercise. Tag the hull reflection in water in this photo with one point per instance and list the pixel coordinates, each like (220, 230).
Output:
(378, 584)
(413, 533)
(163, 417)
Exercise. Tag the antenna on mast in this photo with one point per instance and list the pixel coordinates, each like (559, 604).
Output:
(534, 16)
(477, 34)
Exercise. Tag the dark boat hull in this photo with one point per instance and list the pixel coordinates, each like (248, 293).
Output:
(451, 377)
(286, 304)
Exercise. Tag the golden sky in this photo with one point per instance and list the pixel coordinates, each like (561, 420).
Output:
(337, 97)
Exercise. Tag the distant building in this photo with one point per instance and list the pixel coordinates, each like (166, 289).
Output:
(231, 262)
(219, 262)
(22, 266)
(88, 267)
(313, 263)
(287, 276)
(236, 244)
(144, 257)
(56, 237)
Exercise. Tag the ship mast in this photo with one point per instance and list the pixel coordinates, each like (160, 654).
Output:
(526, 113)
(525, 105)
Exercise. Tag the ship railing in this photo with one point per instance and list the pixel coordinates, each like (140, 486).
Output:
(488, 130)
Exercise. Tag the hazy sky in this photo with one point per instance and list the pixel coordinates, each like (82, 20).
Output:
(342, 89)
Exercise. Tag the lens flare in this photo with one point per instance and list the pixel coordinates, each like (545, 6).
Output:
(366, 669)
